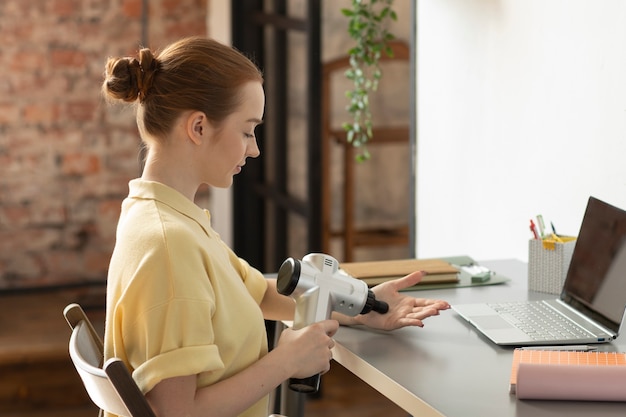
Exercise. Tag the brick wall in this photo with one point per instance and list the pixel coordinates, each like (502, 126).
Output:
(65, 157)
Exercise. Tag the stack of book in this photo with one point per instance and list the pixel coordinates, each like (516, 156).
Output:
(376, 272)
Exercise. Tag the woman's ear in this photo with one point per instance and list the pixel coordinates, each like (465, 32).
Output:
(198, 127)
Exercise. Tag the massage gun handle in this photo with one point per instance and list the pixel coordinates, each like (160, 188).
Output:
(308, 385)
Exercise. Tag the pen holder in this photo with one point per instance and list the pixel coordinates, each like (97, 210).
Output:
(548, 262)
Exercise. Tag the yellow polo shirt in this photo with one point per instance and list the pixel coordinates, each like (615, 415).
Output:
(179, 301)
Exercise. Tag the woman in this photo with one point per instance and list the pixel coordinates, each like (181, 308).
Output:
(183, 311)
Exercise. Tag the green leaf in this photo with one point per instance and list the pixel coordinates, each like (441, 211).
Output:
(366, 26)
(350, 136)
(364, 155)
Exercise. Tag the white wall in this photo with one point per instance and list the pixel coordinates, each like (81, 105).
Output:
(219, 28)
(521, 110)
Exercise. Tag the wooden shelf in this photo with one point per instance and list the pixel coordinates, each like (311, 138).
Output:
(36, 369)
(378, 237)
(381, 136)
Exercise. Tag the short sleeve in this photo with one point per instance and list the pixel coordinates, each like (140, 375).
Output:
(179, 341)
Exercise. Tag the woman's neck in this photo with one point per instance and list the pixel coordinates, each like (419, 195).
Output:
(167, 168)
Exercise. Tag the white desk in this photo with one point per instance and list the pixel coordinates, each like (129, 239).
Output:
(447, 368)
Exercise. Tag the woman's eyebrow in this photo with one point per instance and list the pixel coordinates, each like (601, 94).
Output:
(255, 120)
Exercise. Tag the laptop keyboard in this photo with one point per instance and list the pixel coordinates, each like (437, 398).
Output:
(539, 321)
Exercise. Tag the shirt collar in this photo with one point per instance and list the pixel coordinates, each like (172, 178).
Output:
(151, 190)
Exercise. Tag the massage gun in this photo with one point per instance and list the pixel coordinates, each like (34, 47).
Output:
(319, 288)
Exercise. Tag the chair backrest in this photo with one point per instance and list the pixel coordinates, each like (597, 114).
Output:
(110, 386)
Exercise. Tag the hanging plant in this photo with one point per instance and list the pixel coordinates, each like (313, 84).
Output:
(368, 20)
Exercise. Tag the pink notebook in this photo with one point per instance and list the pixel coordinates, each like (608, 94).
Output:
(568, 375)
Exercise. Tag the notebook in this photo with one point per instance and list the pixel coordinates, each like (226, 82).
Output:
(592, 301)
(377, 272)
(568, 375)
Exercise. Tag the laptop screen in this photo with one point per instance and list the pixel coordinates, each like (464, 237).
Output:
(596, 279)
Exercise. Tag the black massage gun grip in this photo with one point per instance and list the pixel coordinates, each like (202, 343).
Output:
(308, 385)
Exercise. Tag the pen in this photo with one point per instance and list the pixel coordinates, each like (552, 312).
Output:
(533, 229)
(542, 227)
(582, 348)
(553, 229)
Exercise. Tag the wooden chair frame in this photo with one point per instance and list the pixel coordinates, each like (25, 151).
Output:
(352, 236)
(110, 385)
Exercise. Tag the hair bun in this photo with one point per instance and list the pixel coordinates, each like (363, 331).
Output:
(128, 78)
(148, 66)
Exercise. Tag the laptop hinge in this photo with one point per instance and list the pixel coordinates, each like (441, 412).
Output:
(606, 330)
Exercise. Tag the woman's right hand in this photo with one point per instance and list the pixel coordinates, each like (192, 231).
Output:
(308, 350)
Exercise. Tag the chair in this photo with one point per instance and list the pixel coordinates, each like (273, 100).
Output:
(110, 385)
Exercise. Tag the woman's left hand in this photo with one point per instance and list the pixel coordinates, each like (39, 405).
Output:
(404, 310)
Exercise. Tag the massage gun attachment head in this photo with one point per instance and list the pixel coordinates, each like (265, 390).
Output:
(288, 276)
(373, 304)
(319, 274)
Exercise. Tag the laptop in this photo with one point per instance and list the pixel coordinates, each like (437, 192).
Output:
(591, 303)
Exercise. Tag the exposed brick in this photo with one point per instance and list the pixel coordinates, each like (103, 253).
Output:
(63, 8)
(20, 10)
(97, 262)
(65, 158)
(13, 32)
(172, 7)
(108, 213)
(84, 110)
(14, 216)
(80, 164)
(132, 8)
(28, 60)
(25, 265)
(9, 112)
(68, 58)
(39, 113)
(181, 29)
(34, 240)
(49, 213)
(109, 210)
(64, 263)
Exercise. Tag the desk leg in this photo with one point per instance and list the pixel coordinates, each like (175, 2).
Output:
(285, 400)
(291, 402)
